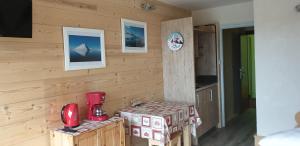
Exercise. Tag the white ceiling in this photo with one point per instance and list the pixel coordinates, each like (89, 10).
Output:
(201, 4)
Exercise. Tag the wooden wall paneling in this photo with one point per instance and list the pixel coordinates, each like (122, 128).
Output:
(22, 71)
(26, 91)
(178, 67)
(19, 132)
(34, 85)
(20, 112)
(24, 110)
(35, 141)
(82, 4)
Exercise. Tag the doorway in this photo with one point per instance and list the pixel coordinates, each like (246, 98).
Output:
(238, 71)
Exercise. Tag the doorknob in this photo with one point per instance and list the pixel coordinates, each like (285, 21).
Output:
(242, 72)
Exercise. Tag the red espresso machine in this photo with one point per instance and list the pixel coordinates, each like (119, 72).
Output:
(95, 102)
(70, 115)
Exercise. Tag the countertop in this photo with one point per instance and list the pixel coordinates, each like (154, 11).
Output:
(206, 86)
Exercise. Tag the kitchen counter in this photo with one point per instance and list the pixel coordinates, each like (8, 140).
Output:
(205, 86)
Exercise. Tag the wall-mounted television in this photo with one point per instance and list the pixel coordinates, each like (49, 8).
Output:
(16, 18)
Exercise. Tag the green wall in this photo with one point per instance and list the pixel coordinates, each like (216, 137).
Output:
(248, 60)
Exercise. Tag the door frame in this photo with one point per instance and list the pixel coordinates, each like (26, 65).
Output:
(221, 62)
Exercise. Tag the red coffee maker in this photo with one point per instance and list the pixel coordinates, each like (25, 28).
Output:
(70, 115)
(95, 101)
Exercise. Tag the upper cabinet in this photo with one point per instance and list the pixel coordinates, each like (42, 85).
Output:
(205, 50)
(206, 68)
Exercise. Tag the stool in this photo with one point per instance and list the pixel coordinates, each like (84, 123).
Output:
(175, 141)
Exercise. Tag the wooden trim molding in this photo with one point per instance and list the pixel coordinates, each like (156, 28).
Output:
(298, 119)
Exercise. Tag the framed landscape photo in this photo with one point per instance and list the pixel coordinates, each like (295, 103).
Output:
(84, 48)
(134, 36)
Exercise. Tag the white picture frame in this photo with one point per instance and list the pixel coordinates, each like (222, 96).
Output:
(134, 36)
(83, 48)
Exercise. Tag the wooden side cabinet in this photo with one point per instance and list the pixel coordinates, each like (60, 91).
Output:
(110, 133)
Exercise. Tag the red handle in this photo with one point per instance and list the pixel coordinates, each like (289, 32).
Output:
(62, 114)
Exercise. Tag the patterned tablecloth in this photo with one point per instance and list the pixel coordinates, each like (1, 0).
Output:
(158, 120)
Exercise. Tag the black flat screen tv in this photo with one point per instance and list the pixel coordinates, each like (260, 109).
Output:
(16, 18)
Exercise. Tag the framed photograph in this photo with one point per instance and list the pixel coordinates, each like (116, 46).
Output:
(84, 48)
(134, 36)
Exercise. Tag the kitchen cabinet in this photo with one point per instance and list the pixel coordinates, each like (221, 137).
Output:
(207, 105)
(206, 74)
(111, 133)
(205, 50)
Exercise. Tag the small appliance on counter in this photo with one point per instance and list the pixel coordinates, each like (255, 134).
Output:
(70, 116)
(95, 102)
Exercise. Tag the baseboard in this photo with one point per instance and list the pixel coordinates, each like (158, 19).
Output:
(257, 139)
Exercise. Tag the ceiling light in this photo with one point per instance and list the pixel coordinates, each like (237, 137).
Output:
(147, 6)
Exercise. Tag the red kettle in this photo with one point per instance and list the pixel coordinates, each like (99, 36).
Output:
(70, 115)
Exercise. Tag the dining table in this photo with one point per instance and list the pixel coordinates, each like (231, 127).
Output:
(158, 120)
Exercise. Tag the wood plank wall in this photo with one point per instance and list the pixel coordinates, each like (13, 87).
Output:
(178, 66)
(34, 85)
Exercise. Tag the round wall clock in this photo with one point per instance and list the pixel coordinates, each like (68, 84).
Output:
(175, 41)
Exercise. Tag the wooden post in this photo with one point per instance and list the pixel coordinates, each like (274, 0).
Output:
(187, 136)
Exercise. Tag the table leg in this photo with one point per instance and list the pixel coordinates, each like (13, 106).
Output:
(128, 140)
(179, 141)
(187, 136)
(176, 140)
